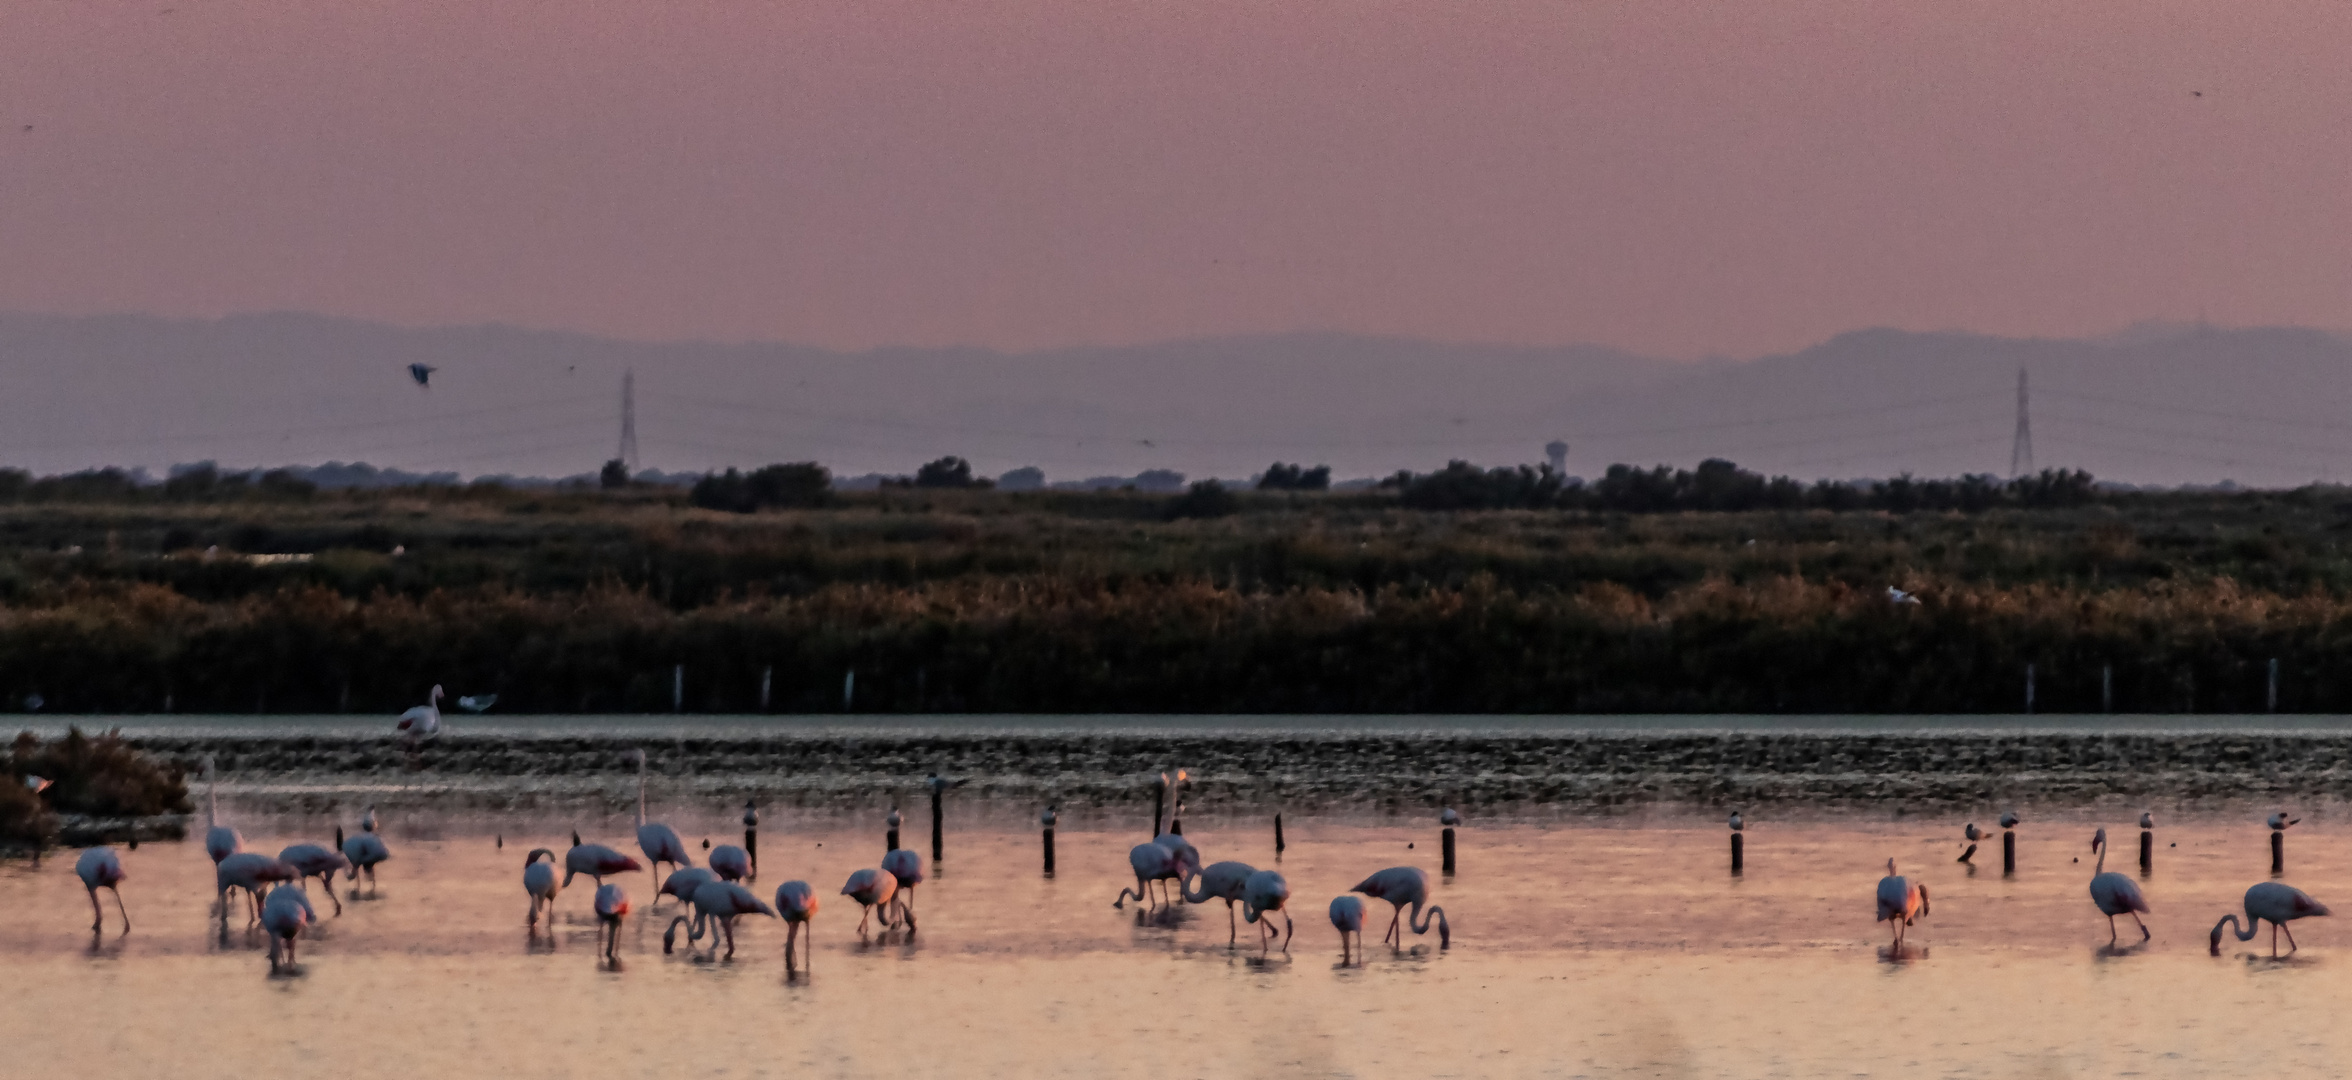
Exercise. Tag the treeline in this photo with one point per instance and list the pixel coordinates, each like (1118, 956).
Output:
(1071, 645)
(1720, 485)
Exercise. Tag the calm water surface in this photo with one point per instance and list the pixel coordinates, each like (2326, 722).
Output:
(1578, 951)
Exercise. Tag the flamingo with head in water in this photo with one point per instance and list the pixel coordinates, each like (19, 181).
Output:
(312, 861)
(2273, 902)
(729, 863)
(250, 871)
(364, 849)
(2114, 893)
(424, 721)
(1402, 885)
(1265, 893)
(1900, 900)
(100, 868)
(1151, 863)
(659, 842)
(285, 916)
(539, 880)
(716, 907)
(1347, 917)
(596, 861)
(1225, 881)
(682, 884)
(871, 888)
(611, 905)
(220, 841)
(796, 902)
(907, 867)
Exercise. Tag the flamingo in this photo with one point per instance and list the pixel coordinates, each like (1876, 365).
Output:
(870, 888)
(1152, 863)
(1402, 885)
(1347, 916)
(287, 912)
(611, 905)
(729, 862)
(1188, 857)
(248, 870)
(2277, 903)
(1220, 881)
(659, 842)
(797, 903)
(1267, 892)
(100, 868)
(220, 841)
(683, 883)
(539, 880)
(1901, 900)
(364, 850)
(312, 861)
(424, 721)
(2114, 893)
(716, 906)
(907, 867)
(596, 861)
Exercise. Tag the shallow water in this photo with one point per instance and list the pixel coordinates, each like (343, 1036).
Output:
(1578, 950)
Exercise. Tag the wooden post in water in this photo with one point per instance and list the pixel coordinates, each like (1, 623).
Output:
(938, 833)
(2009, 820)
(1278, 837)
(1445, 839)
(1739, 846)
(2278, 852)
(751, 834)
(1047, 820)
(892, 840)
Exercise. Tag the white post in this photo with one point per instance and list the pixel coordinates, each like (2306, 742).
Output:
(849, 691)
(2029, 688)
(678, 688)
(767, 680)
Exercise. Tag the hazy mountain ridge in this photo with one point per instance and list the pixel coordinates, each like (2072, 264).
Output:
(2150, 404)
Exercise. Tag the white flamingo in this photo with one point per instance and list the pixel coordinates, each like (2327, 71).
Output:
(1265, 893)
(365, 849)
(312, 861)
(220, 841)
(1151, 863)
(1347, 917)
(796, 902)
(285, 916)
(907, 867)
(1900, 900)
(729, 862)
(659, 842)
(424, 721)
(2114, 893)
(596, 861)
(612, 904)
(1219, 881)
(1402, 885)
(2276, 903)
(871, 888)
(539, 880)
(248, 870)
(100, 868)
(716, 907)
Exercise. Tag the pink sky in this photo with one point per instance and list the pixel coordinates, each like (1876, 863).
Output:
(1678, 178)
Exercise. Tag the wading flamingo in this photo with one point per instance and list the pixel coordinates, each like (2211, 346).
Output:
(312, 861)
(2272, 902)
(539, 881)
(1151, 863)
(1188, 858)
(659, 842)
(682, 884)
(1347, 917)
(907, 867)
(716, 906)
(2114, 893)
(596, 861)
(871, 888)
(1901, 900)
(100, 868)
(1402, 885)
(1220, 881)
(729, 862)
(220, 841)
(424, 721)
(364, 850)
(796, 902)
(248, 870)
(611, 905)
(1264, 894)
(285, 916)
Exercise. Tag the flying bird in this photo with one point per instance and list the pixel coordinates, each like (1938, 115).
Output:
(477, 703)
(37, 784)
(422, 373)
(2114, 893)
(1898, 596)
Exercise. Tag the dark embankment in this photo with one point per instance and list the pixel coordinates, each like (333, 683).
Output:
(1381, 773)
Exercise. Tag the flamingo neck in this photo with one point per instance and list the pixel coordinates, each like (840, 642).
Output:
(1420, 919)
(211, 799)
(2102, 867)
(640, 792)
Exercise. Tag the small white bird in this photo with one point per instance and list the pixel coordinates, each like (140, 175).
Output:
(1898, 596)
(100, 868)
(478, 703)
(424, 721)
(1047, 818)
(2281, 821)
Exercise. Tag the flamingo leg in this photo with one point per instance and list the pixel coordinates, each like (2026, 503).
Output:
(97, 914)
(1232, 932)
(1392, 927)
(2274, 929)
(2110, 929)
(2291, 946)
(118, 906)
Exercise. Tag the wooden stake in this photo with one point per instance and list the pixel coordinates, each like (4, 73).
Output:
(1446, 844)
(2008, 852)
(1277, 836)
(1739, 853)
(2147, 852)
(1049, 851)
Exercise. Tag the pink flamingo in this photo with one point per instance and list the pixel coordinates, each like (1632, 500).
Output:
(1402, 885)
(611, 905)
(1347, 916)
(1265, 893)
(729, 863)
(2276, 903)
(907, 867)
(539, 881)
(312, 861)
(871, 888)
(1151, 862)
(220, 841)
(596, 861)
(248, 870)
(1220, 881)
(716, 907)
(659, 842)
(364, 850)
(1900, 900)
(2114, 893)
(100, 868)
(797, 903)
(285, 916)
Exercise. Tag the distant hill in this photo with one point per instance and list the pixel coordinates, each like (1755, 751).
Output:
(2157, 404)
